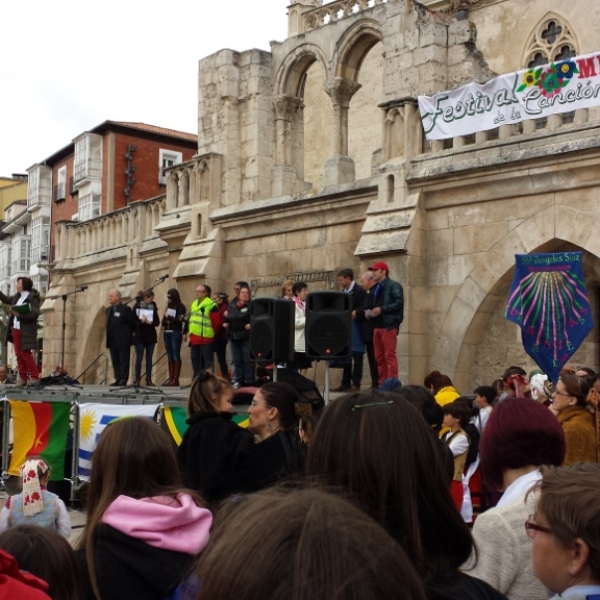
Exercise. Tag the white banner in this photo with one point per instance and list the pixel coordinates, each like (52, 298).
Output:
(93, 418)
(554, 88)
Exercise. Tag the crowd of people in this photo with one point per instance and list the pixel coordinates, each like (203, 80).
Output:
(419, 493)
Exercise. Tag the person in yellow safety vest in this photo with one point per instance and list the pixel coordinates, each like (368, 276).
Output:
(203, 323)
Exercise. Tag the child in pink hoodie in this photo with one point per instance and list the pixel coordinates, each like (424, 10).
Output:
(143, 531)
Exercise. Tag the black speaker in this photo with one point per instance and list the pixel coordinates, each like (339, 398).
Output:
(328, 325)
(272, 330)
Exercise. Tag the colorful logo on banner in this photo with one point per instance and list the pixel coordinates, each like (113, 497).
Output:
(93, 418)
(558, 87)
(549, 301)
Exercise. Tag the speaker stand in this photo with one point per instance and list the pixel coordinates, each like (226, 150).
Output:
(326, 390)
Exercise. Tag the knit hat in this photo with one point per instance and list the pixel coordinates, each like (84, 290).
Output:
(32, 490)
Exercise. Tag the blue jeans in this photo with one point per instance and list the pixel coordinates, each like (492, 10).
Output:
(243, 366)
(139, 354)
(173, 345)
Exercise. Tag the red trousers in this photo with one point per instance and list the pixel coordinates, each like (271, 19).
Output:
(25, 362)
(384, 343)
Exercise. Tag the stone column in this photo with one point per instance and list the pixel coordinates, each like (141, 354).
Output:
(285, 178)
(340, 167)
(172, 191)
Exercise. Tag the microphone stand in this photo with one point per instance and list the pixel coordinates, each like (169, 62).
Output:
(60, 379)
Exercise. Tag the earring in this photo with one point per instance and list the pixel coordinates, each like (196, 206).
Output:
(270, 427)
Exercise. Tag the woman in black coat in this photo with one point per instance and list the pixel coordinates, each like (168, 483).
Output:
(22, 327)
(279, 452)
(238, 333)
(145, 335)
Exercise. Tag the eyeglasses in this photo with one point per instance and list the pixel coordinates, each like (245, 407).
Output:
(532, 528)
(557, 393)
(357, 406)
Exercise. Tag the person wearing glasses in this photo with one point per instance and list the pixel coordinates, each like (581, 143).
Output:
(565, 532)
(202, 325)
(521, 435)
(569, 404)
(387, 316)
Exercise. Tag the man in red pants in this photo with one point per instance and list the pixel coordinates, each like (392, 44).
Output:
(387, 316)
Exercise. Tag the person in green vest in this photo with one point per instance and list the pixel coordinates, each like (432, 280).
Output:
(203, 323)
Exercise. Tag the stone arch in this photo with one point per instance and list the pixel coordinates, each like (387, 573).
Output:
(290, 75)
(353, 47)
(537, 45)
(483, 287)
(95, 345)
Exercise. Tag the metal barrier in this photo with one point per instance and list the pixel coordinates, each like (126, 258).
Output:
(76, 399)
(100, 356)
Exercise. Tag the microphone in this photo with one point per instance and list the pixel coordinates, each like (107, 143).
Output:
(163, 277)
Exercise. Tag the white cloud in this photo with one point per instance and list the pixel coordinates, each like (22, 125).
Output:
(67, 66)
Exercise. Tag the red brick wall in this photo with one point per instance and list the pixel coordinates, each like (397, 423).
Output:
(64, 209)
(145, 159)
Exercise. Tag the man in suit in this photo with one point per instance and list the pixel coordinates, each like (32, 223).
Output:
(353, 371)
(120, 326)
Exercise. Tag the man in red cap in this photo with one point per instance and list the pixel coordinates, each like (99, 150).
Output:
(387, 316)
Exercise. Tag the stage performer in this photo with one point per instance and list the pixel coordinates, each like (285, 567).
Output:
(22, 328)
(145, 335)
(203, 324)
(387, 316)
(172, 323)
(120, 326)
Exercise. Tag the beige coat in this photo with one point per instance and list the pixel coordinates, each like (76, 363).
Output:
(504, 551)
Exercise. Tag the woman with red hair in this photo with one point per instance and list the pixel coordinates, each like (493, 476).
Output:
(520, 436)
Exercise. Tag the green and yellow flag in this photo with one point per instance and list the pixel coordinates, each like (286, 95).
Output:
(174, 421)
(40, 429)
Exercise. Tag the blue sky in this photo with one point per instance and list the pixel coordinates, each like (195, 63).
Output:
(67, 66)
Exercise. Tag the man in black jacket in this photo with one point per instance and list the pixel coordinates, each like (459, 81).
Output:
(120, 325)
(353, 371)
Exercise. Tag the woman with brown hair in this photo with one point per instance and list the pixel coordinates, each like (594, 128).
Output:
(279, 452)
(143, 530)
(441, 387)
(172, 323)
(569, 404)
(46, 555)
(376, 448)
(213, 440)
(321, 547)
(22, 327)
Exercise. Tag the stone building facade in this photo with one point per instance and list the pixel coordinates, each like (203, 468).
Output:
(311, 157)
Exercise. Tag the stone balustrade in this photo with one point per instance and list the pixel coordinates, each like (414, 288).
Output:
(336, 11)
(120, 229)
(553, 123)
(195, 180)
